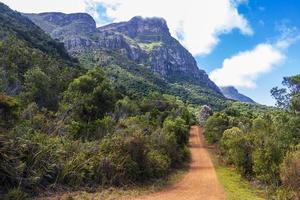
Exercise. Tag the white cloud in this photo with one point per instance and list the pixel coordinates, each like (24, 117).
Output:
(198, 22)
(37, 6)
(242, 70)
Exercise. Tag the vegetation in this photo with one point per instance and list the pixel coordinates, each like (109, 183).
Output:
(63, 125)
(138, 81)
(111, 122)
(97, 137)
(149, 46)
(262, 142)
(235, 186)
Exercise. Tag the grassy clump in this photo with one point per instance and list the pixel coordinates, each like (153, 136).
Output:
(150, 46)
(236, 188)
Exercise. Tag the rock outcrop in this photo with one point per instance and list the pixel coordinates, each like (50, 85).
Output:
(145, 41)
(232, 93)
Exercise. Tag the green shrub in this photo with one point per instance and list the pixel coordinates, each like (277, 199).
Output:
(158, 164)
(8, 111)
(290, 171)
(179, 128)
(284, 193)
(125, 108)
(15, 194)
(127, 152)
(237, 147)
(267, 153)
(215, 126)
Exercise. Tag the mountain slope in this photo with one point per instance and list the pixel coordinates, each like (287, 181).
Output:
(232, 93)
(29, 58)
(143, 47)
(13, 23)
(146, 41)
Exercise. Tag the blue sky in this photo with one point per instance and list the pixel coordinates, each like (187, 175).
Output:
(250, 44)
(264, 17)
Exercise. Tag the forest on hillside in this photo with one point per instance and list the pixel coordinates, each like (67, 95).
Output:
(263, 143)
(62, 125)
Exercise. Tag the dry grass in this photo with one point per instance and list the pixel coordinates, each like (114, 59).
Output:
(113, 193)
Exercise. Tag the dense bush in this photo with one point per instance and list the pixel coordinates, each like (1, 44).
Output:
(215, 126)
(260, 142)
(290, 171)
(97, 137)
(8, 111)
(237, 146)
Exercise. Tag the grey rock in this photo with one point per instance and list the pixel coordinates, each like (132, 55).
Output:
(232, 93)
(145, 41)
(204, 113)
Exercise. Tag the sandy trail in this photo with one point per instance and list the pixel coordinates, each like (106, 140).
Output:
(200, 183)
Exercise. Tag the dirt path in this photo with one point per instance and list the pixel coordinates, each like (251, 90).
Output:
(200, 183)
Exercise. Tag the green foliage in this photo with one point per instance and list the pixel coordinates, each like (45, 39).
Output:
(159, 164)
(215, 126)
(31, 62)
(96, 148)
(262, 143)
(15, 24)
(8, 111)
(290, 171)
(288, 99)
(281, 97)
(90, 96)
(136, 80)
(39, 76)
(125, 108)
(37, 88)
(237, 146)
(149, 46)
(88, 99)
(178, 128)
(15, 194)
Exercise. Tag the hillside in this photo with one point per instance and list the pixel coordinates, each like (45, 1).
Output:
(27, 52)
(233, 93)
(139, 46)
(65, 126)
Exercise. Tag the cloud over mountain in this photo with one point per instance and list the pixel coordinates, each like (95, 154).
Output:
(196, 24)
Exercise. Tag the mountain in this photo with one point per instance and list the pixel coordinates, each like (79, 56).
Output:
(13, 23)
(141, 48)
(146, 41)
(232, 93)
(31, 58)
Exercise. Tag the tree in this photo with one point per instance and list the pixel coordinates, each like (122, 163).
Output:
(267, 153)
(8, 111)
(37, 88)
(88, 98)
(215, 126)
(291, 98)
(238, 149)
(281, 96)
(178, 128)
(290, 170)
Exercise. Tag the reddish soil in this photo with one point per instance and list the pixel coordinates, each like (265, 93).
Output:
(200, 182)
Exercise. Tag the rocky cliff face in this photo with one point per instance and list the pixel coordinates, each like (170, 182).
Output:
(145, 41)
(232, 93)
